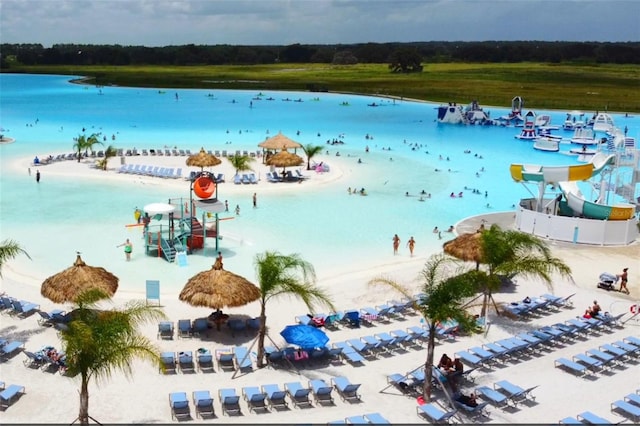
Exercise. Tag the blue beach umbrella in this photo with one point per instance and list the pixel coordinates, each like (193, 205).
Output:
(305, 336)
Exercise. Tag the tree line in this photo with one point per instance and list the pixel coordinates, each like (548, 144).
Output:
(342, 54)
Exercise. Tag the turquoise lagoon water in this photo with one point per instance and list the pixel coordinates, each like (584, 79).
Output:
(333, 230)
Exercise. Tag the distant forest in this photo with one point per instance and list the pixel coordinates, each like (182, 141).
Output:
(428, 52)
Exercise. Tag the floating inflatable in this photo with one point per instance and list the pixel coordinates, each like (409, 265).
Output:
(204, 187)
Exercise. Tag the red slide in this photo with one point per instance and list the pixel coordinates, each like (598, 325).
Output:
(204, 187)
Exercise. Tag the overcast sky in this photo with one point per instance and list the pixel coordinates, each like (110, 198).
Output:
(283, 22)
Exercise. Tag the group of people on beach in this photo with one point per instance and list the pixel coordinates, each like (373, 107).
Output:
(396, 244)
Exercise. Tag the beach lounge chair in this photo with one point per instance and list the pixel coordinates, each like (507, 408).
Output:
(168, 360)
(617, 352)
(47, 319)
(252, 178)
(242, 358)
(204, 359)
(602, 356)
(627, 409)
(256, 399)
(483, 354)
(469, 358)
(237, 179)
(11, 348)
(356, 420)
(348, 352)
(593, 419)
(570, 421)
(633, 340)
(203, 403)
(165, 330)
(184, 328)
(23, 309)
(418, 332)
(514, 392)
(496, 398)
(589, 362)
(404, 339)
(179, 405)
(220, 178)
(236, 325)
(473, 412)
(434, 414)
(10, 393)
(299, 175)
(245, 179)
(321, 391)
(634, 398)
(186, 362)
(230, 401)
(276, 397)
(498, 350)
(34, 360)
(376, 419)
(632, 349)
(571, 366)
(199, 326)
(347, 390)
(225, 358)
(298, 394)
(364, 349)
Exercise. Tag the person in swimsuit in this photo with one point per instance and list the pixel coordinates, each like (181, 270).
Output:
(623, 280)
(396, 243)
(128, 248)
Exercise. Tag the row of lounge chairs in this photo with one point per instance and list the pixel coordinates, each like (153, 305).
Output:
(41, 359)
(217, 179)
(246, 178)
(237, 358)
(154, 171)
(9, 394)
(187, 328)
(545, 303)
(524, 342)
(184, 152)
(264, 398)
(629, 406)
(20, 308)
(286, 177)
(601, 358)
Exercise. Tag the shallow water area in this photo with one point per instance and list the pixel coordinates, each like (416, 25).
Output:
(337, 232)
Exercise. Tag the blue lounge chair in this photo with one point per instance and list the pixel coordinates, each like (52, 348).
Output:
(633, 340)
(236, 325)
(185, 362)
(184, 328)
(570, 421)
(252, 178)
(483, 354)
(243, 358)
(469, 358)
(276, 397)
(230, 401)
(298, 394)
(514, 392)
(220, 178)
(591, 363)
(245, 179)
(617, 352)
(199, 326)
(571, 366)
(418, 332)
(633, 397)
(256, 399)
(496, 398)
(205, 360)
(225, 358)
(632, 349)
(497, 350)
(404, 339)
(34, 360)
(165, 330)
(349, 352)
(602, 356)
(321, 391)
(11, 348)
(179, 405)
(253, 324)
(346, 389)
(363, 348)
(8, 395)
(23, 308)
(237, 180)
(49, 318)
(376, 419)
(627, 409)
(356, 420)
(168, 360)
(434, 414)
(404, 383)
(352, 318)
(204, 404)
(303, 319)
(472, 412)
(593, 419)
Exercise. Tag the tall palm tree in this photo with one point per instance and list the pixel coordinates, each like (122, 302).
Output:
(311, 150)
(241, 163)
(445, 288)
(97, 343)
(110, 152)
(10, 249)
(84, 143)
(281, 275)
(507, 253)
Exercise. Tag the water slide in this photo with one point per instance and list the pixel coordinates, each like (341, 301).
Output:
(566, 178)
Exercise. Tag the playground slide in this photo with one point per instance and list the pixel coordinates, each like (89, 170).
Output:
(566, 177)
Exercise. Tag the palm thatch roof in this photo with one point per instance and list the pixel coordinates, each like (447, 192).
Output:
(279, 141)
(467, 247)
(203, 159)
(67, 285)
(217, 288)
(284, 159)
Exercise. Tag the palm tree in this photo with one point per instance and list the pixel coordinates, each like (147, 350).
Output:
(83, 143)
(281, 275)
(444, 289)
(108, 153)
(99, 342)
(241, 163)
(510, 253)
(10, 249)
(311, 151)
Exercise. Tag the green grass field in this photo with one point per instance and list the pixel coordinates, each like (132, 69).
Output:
(548, 86)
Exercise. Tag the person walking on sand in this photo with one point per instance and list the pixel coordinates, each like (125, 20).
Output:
(623, 280)
(396, 243)
(411, 244)
(128, 248)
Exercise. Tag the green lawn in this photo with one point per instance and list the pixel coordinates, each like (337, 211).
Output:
(549, 86)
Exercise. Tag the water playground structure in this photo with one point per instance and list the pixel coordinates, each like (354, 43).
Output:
(183, 225)
(561, 211)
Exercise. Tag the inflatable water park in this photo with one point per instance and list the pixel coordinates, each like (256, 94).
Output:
(589, 203)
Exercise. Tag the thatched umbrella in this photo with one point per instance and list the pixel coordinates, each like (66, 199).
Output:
(203, 159)
(467, 247)
(217, 288)
(285, 159)
(67, 285)
(279, 141)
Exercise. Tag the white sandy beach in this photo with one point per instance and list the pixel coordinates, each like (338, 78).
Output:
(143, 398)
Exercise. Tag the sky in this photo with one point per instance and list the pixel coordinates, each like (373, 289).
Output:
(284, 22)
